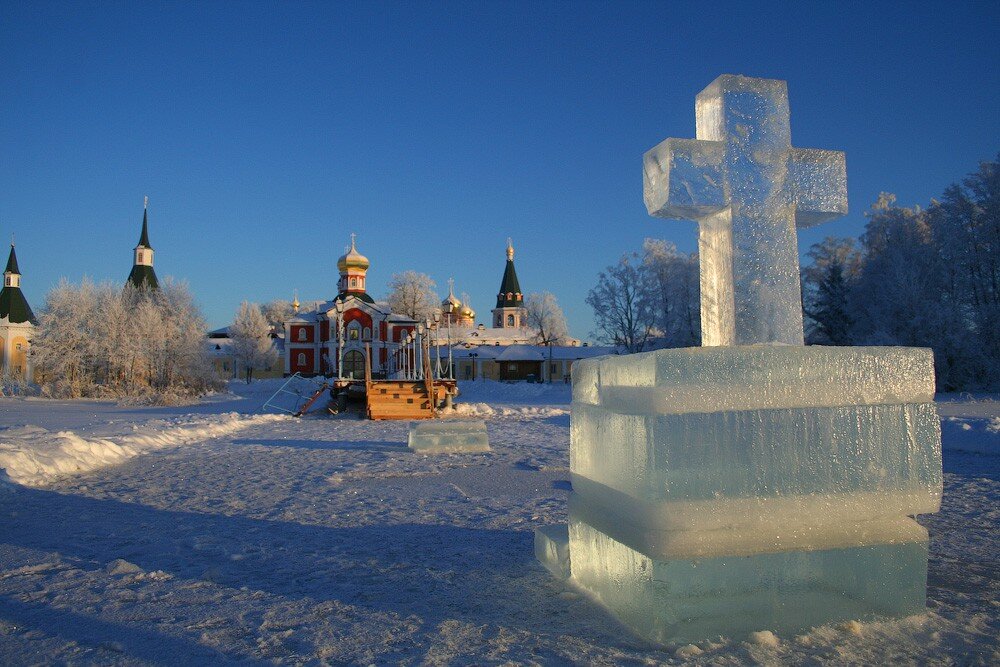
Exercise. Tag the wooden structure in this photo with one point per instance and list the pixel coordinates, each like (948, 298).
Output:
(417, 397)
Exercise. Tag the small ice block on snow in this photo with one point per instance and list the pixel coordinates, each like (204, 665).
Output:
(448, 436)
(682, 599)
(889, 454)
(552, 549)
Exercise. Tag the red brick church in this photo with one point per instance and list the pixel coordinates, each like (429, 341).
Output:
(311, 338)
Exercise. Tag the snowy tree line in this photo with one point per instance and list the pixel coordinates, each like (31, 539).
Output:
(916, 277)
(111, 342)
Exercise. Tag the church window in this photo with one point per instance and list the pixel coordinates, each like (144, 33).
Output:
(301, 359)
(367, 335)
(354, 282)
(510, 320)
(353, 334)
(140, 256)
(302, 333)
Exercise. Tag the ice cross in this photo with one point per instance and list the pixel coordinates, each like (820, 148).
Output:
(748, 189)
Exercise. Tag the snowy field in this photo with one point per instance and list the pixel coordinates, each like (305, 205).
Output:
(211, 533)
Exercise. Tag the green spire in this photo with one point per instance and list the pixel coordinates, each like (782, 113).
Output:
(144, 238)
(13, 306)
(509, 284)
(12, 262)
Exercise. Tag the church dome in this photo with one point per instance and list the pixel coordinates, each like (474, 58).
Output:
(467, 313)
(456, 305)
(352, 259)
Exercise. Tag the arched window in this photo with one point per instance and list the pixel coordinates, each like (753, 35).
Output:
(354, 282)
(140, 257)
(354, 364)
(301, 359)
(302, 333)
(510, 320)
(366, 334)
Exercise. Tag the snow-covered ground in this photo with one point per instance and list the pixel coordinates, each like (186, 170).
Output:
(230, 538)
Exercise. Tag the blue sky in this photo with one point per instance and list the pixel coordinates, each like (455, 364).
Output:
(265, 133)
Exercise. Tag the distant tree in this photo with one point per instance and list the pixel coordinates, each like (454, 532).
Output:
(621, 310)
(965, 225)
(827, 282)
(277, 312)
(412, 294)
(105, 341)
(671, 293)
(545, 318)
(250, 333)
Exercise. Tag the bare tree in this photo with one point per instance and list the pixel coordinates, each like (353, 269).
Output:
(412, 294)
(251, 339)
(621, 312)
(545, 318)
(671, 292)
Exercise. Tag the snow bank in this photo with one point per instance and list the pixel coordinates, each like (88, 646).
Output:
(484, 410)
(971, 434)
(33, 456)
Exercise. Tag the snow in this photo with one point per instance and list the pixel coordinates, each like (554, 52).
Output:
(325, 541)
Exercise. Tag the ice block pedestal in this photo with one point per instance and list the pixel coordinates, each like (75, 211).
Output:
(754, 483)
(723, 490)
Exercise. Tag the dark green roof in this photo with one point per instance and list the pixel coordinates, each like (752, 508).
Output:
(361, 295)
(14, 306)
(509, 285)
(143, 277)
(12, 262)
(144, 238)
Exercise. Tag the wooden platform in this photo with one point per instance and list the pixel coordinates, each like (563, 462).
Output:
(400, 399)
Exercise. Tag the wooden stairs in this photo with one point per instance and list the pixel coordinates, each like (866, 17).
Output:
(400, 399)
(403, 399)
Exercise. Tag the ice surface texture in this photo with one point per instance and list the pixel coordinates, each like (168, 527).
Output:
(691, 598)
(449, 436)
(552, 549)
(749, 190)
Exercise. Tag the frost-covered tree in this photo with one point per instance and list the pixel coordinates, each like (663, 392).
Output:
(250, 333)
(545, 319)
(965, 225)
(277, 312)
(124, 343)
(621, 310)
(671, 293)
(412, 294)
(827, 282)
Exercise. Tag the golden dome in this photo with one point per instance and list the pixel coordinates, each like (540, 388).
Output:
(467, 313)
(352, 259)
(452, 300)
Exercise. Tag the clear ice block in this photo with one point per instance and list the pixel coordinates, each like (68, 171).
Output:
(552, 549)
(789, 459)
(686, 599)
(713, 379)
(449, 436)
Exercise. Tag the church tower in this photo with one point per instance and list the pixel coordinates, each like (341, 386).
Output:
(17, 323)
(353, 267)
(509, 313)
(142, 275)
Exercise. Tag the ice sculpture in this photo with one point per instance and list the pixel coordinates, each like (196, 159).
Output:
(752, 483)
(449, 436)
